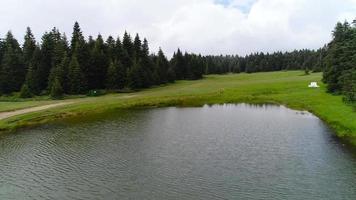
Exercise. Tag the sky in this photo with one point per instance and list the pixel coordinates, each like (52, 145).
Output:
(211, 27)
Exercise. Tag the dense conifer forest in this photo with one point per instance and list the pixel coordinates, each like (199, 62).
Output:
(340, 61)
(308, 60)
(56, 66)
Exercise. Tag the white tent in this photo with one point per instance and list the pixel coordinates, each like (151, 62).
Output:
(313, 85)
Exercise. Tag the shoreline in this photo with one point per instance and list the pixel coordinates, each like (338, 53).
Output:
(338, 131)
(328, 108)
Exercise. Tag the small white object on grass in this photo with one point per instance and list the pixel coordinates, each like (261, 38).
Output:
(313, 85)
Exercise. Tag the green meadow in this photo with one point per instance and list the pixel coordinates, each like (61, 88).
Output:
(284, 88)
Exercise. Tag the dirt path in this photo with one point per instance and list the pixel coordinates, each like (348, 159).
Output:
(7, 114)
(4, 115)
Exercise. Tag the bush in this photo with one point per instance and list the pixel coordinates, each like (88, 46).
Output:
(56, 90)
(306, 71)
(25, 92)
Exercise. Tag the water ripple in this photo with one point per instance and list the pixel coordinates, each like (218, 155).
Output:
(218, 152)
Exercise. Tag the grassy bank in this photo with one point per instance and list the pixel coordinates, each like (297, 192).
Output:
(287, 88)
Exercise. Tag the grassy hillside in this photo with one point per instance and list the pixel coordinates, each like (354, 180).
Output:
(287, 88)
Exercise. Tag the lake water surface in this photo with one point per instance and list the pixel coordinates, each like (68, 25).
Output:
(219, 152)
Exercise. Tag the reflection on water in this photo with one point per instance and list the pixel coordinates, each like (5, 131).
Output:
(214, 152)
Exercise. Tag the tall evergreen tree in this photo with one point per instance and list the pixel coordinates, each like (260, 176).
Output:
(29, 47)
(110, 50)
(147, 64)
(127, 44)
(91, 43)
(128, 51)
(2, 48)
(75, 76)
(121, 56)
(99, 65)
(340, 71)
(194, 67)
(118, 49)
(135, 75)
(112, 76)
(77, 37)
(13, 71)
(79, 46)
(338, 56)
(60, 50)
(137, 46)
(58, 73)
(33, 80)
(348, 82)
(48, 56)
(162, 67)
(179, 64)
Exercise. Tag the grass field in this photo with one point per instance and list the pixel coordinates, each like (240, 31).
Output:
(287, 88)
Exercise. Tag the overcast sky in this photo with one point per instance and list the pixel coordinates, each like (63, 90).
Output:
(200, 26)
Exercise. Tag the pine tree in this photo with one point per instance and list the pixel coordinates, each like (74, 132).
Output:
(348, 82)
(137, 45)
(13, 71)
(29, 47)
(179, 64)
(337, 57)
(58, 79)
(171, 76)
(162, 67)
(99, 65)
(147, 64)
(135, 76)
(91, 43)
(118, 49)
(196, 67)
(189, 64)
(112, 76)
(77, 37)
(128, 45)
(60, 50)
(63, 71)
(82, 50)
(32, 81)
(110, 48)
(127, 51)
(2, 49)
(75, 77)
(32, 77)
(7, 84)
(47, 62)
(59, 73)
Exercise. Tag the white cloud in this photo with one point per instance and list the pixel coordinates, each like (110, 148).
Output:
(201, 26)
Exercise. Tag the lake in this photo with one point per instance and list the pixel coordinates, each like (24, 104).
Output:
(212, 152)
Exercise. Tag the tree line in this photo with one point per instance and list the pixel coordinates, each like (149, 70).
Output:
(57, 67)
(337, 61)
(340, 61)
(308, 60)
